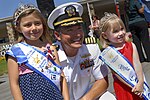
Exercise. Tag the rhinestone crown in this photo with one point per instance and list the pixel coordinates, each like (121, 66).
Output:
(105, 19)
(22, 9)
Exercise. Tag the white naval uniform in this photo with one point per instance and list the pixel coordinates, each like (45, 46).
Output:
(79, 80)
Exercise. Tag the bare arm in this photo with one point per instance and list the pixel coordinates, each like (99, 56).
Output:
(98, 88)
(121, 79)
(13, 75)
(138, 69)
(95, 26)
(138, 88)
(64, 88)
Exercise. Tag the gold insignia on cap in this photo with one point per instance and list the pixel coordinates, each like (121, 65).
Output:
(68, 20)
(70, 10)
(71, 23)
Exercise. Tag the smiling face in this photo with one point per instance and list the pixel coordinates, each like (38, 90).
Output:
(31, 27)
(116, 36)
(115, 33)
(71, 37)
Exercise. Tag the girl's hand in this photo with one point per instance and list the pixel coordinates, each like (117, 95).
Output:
(138, 89)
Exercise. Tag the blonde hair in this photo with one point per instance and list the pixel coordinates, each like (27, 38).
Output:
(46, 33)
(109, 21)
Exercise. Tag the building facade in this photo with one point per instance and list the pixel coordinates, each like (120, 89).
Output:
(97, 7)
(6, 30)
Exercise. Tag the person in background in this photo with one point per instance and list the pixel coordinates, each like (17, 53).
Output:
(31, 68)
(85, 73)
(113, 32)
(139, 28)
(146, 5)
(95, 26)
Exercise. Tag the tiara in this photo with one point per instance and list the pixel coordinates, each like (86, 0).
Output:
(22, 9)
(105, 19)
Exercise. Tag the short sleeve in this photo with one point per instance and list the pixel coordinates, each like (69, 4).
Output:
(99, 69)
(16, 52)
(9, 53)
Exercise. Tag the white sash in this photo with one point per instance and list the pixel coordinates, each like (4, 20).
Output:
(38, 62)
(118, 63)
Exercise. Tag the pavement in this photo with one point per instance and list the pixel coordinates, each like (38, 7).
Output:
(5, 93)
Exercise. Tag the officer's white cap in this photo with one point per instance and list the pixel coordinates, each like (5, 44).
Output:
(59, 16)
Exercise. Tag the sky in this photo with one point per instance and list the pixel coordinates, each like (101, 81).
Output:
(7, 7)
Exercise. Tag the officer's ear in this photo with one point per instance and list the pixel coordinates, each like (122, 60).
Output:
(57, 35)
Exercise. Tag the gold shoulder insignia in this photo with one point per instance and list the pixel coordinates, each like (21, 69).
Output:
(90, 40)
